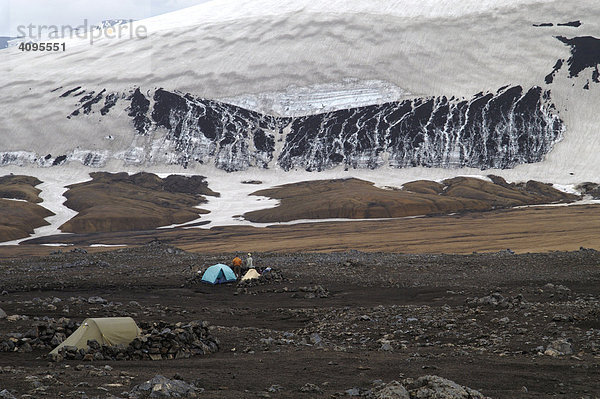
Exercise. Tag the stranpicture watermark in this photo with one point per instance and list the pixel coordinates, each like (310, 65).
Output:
(118, 29)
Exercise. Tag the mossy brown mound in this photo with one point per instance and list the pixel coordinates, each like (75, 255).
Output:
(20, 187)
(18, 219)
(120, 202)
(358, 199)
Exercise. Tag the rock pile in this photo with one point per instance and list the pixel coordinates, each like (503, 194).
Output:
(497, 300)
(559, 347)
(269, 277)
(42, 335)
(429, 386)
(158, 341)
(316, 291)
(352, 263)
(162, 387)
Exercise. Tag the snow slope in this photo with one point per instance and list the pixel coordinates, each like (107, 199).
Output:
(228, 49)
(292, 59)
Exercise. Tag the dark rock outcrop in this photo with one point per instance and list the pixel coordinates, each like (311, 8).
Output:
(585, 54)
(490, 130)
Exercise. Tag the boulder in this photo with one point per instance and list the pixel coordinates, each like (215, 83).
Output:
(311, 388)
(393, 390)
(97, 300)
(560, 347)
(162, 387)
(431, 386)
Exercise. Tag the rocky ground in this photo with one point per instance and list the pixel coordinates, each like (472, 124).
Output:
(346, 324)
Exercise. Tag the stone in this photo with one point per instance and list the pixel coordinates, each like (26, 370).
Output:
(559, 347)
(311, 388)
(393, 390)
(386, 347)
(275, 388)
(97, 300)
(5, 394)
(3, 314)
(26, 348)
(315, 339)
(162, 387)
(57, 339)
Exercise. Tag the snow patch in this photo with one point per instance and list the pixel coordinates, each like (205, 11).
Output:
(53, 186)
(567, 188)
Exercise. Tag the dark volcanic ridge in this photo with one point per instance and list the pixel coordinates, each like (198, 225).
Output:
(490, 130)
(585, 55)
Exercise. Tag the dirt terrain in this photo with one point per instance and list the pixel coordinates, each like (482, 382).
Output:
(337, 324)
(530, 229)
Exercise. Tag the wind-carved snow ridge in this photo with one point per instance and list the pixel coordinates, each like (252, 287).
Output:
(491, 130)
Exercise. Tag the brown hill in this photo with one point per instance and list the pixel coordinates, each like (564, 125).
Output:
(20, 187)
(120, 202)
(359, 199)
(18, 219)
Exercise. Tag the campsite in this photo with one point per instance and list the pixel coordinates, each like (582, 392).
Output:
(324, 325)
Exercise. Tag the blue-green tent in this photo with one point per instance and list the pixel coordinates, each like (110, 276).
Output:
(219, 274)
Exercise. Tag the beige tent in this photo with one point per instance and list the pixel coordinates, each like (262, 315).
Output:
(107, 331)
(250, 275)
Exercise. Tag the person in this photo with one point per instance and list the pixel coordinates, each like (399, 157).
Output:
(249, 262)
(237, 266)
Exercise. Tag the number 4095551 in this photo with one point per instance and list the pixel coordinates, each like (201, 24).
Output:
(43, 46)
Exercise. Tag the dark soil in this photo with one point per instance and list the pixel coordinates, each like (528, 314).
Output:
(338, 321)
